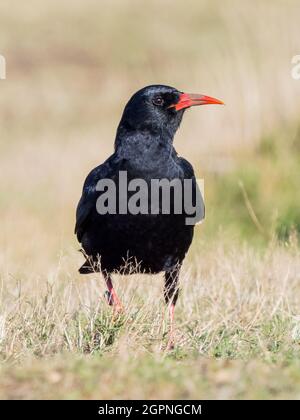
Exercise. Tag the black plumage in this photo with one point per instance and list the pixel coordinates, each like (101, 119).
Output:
(149, 243)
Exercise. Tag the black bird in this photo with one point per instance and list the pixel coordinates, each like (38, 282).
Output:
(150, 241)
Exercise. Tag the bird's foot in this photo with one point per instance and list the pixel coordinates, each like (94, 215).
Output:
(114, 302)
(170, 345)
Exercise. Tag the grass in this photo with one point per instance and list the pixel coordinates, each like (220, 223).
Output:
(233, 320)
(70, 70)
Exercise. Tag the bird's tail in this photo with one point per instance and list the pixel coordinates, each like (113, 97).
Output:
(88, 267)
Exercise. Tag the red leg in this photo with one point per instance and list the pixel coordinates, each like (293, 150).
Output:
(171, 342)
(171, 295)
(111, 295)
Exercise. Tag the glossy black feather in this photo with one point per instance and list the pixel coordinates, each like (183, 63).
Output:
(144, 149)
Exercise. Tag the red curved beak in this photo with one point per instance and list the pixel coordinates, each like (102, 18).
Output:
(192, 99)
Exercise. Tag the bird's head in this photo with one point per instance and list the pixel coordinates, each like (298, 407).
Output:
(158, 107)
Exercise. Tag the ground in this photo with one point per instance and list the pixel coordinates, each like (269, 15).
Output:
(237, 332)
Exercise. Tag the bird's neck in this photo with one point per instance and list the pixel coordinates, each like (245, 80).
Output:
(144, 150)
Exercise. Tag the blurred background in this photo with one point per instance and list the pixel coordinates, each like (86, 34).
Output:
(71, 67)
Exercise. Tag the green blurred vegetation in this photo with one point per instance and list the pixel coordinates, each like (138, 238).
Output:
(259, 199)
(261, 363)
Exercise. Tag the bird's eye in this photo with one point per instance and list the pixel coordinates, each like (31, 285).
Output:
(158, 101)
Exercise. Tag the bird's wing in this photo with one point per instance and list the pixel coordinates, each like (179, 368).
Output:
(89, 196)
(189, 174)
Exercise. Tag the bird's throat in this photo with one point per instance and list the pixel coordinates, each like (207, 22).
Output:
(144, 152)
